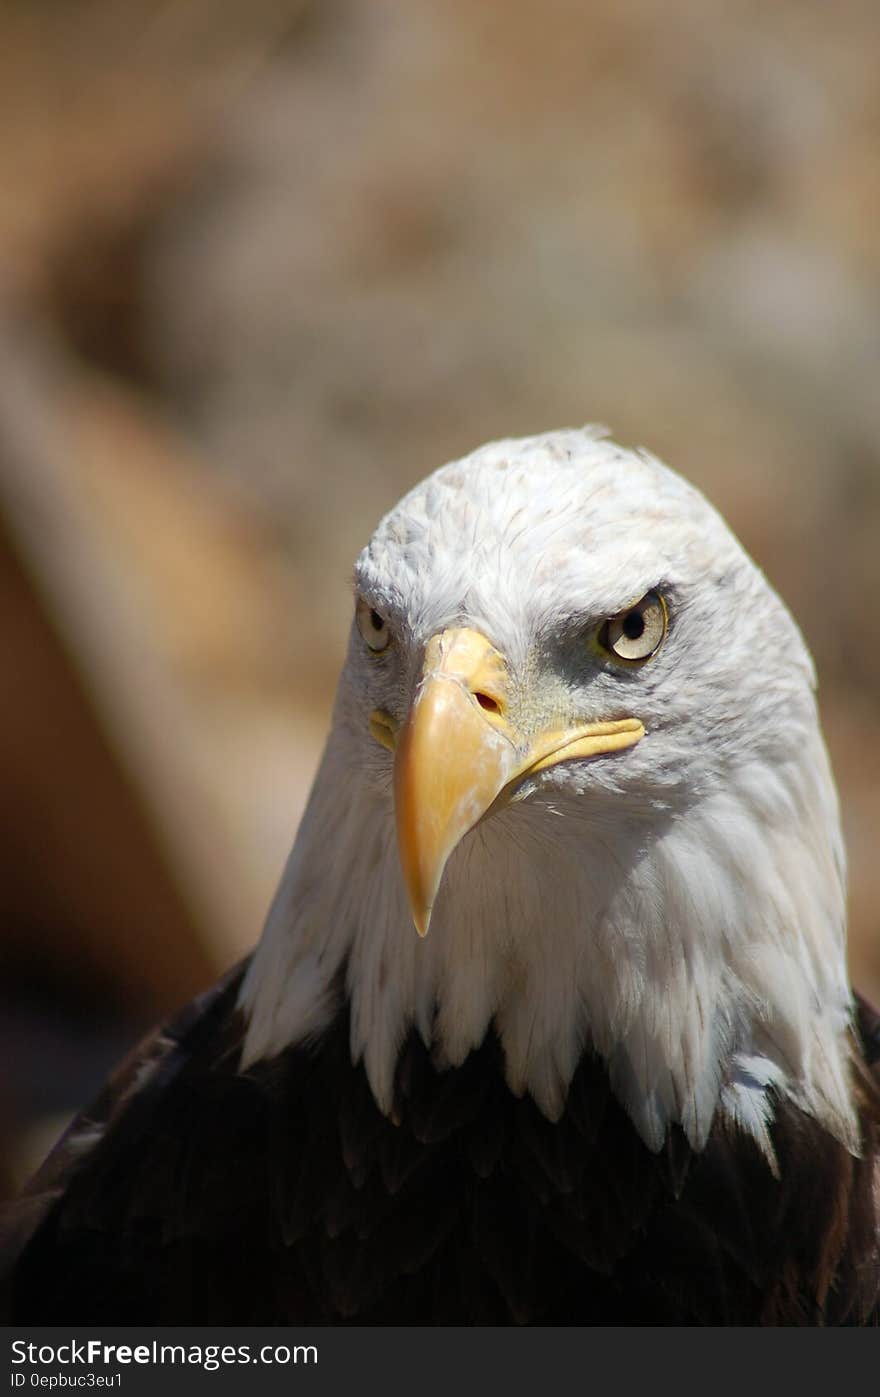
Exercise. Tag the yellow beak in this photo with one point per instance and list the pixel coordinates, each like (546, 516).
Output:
(458, 752)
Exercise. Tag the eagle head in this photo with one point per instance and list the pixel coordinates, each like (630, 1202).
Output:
(575, 792)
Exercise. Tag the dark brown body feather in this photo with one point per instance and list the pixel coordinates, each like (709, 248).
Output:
(283, 1195)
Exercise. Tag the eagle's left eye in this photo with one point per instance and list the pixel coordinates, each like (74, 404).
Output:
(373, 628)
(637, 633)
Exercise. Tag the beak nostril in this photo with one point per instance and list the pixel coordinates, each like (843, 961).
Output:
(486, 701)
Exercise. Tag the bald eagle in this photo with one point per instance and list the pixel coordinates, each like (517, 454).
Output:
(550, 1021)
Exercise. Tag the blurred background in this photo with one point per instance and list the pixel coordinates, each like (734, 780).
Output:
(265, 264)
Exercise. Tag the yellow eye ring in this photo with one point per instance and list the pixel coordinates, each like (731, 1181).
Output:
(373, 627)
(636, 634)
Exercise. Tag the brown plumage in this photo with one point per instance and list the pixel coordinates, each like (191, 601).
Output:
(282, 1195)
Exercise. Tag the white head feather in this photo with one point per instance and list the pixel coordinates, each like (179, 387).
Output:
(678, 906)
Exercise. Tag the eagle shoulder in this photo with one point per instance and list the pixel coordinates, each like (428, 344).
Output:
(193, 1192)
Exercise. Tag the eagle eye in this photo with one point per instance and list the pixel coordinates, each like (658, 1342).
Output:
(637, 633)
(373, 627)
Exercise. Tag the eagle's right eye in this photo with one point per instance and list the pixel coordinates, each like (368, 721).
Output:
(373, 628)
(637, 633)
